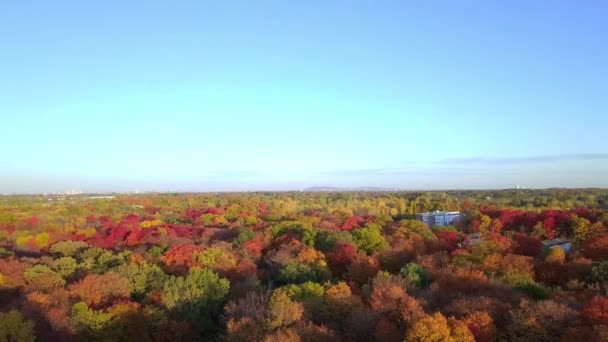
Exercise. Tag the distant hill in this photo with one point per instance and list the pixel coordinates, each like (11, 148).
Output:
(338, 189)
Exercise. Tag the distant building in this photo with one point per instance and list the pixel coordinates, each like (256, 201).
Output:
(566, 245)
(439, 218)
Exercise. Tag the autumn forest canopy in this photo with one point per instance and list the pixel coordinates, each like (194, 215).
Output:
(518, 265)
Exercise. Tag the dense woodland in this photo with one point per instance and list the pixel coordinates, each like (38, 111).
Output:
(304, 267)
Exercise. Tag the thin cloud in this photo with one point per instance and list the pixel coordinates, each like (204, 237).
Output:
(462, 166)
(396, 171)
(525, 160)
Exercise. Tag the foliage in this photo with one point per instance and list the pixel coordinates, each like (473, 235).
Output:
(599, 272)
(84, 317)
(300, 266)
(596, 310)
(65, 266)
(435, 328)
(98, 290)
(215, 258)
(369, 239)
(197, 297)
(42, 277)
(282, 310)
(328, 240)
(13, 327)
(68, 248)
(538, 321)
(297, 272)
(556, 255)
(245, 234)
(416, 227)
(415, 274)
(304, 292)
(527, 245)
(142, 278)
(5, 253)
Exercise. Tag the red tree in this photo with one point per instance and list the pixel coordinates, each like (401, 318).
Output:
(527, 245)
(596, 310)
(597, 248)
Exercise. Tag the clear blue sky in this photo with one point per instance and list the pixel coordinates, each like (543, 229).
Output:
(176, 95)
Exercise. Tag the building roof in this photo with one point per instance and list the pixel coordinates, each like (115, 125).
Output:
(437, 212)
(554, 242)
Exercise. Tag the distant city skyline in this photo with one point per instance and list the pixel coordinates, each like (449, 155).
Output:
(196, 96)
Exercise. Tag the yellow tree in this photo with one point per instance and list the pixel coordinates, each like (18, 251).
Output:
(556, 255)
(435, 328)
(430, 328)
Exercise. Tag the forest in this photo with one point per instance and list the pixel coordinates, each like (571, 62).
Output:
(304, 266)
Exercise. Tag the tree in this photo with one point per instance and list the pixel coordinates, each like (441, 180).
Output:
(98, 290)
(389, 297)
(415, 274)
(362, 268)
(181, 257)
(435, 328)
(245, 234)
(343, 255)
(282, 311)
(65, 266)
(196, 297)
(596, 248)
(556, 255)
(481, 325)
(13, 270)
(369, 238)
(539, 321)
(409, 227)
(527, 245)
(599, 272)
(484, 223)
(580, 228)
(41, 277)
(459, 331)
(14, 328)
(296, 272)
(596, 310)
(84, 318)
(142, 278)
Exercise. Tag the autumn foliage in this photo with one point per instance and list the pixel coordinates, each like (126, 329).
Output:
(305, 267)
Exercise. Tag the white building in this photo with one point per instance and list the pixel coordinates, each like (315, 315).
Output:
(564, 244)
(439, 218)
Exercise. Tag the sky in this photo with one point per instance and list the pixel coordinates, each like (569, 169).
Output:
(279, 95)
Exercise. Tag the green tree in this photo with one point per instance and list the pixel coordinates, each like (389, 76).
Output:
(245, 234)
(42, 277)
(415, 274)
(197, 297)
(407, 227)
(369, 238)
(84, 318)
(14, 328)
(599, 272)
(296, 272)
(68, 247)
(65, 266)
(142, 278)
